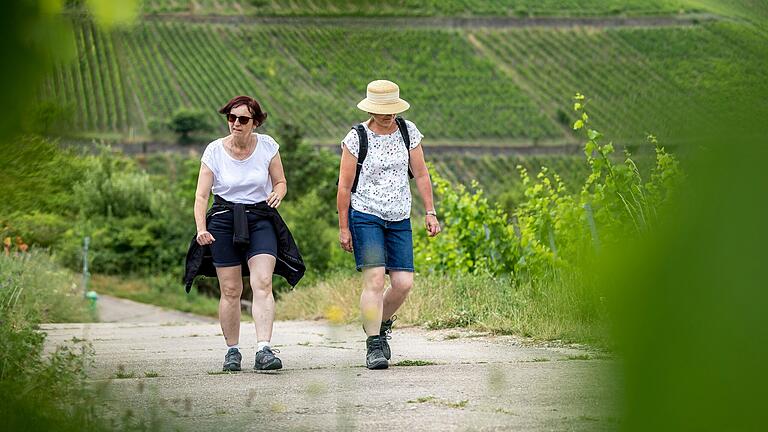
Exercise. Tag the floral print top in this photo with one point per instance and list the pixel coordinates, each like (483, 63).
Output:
(383, 189)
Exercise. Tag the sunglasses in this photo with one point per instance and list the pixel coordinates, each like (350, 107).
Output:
(243, 119)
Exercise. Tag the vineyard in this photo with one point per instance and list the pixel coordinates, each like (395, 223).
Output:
(497, 175)
(638, 78)
(467, 86)
(423, 7)
(303, 76)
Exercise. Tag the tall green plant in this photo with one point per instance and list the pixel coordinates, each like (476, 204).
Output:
(476, 236)
(551, 229)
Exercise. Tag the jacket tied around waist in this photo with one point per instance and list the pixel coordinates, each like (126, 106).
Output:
(289, 264)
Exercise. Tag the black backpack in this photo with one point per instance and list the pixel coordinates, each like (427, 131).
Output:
(363, 152)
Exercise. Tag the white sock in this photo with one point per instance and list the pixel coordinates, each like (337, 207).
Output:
(261, 345)
(236, 346)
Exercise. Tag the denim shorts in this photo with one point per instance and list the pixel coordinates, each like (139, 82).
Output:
(263, 239)
(380, 243)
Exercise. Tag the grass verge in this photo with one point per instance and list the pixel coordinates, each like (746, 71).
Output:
(42, 393)
(553, 309)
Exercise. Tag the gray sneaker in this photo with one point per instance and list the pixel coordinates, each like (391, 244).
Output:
(375, 358)
(266, 360)
(386, 334)
(232, 360)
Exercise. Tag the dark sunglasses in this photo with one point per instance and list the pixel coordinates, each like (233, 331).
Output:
(243, 119)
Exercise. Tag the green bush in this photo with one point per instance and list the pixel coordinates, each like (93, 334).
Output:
(137, 222)
(185, 121)
(317, 239)
(308, 169)
(37, 228)
(37, 175)
(476, 235)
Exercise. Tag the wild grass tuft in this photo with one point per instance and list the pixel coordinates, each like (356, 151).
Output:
(555, 308)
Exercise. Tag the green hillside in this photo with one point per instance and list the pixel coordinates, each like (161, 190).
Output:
(467, 85)
(639, 79)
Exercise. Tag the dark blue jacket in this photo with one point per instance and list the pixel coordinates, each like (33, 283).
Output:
(289, 263)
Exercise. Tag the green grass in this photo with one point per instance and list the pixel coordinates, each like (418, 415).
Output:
(558, 309)
(423, 7)
(431, 399)
(123, 374)
(40, 391)
(414, 363)
(422, 399)
(35, 289)
(578, 357)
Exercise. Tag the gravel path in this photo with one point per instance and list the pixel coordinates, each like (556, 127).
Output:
(168, 368)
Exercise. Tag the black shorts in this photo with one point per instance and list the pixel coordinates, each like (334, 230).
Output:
(263, 239)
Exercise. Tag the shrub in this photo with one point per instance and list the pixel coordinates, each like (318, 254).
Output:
(476, 235)
(185, 121)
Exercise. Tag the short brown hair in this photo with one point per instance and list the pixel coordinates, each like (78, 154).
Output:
(253, 106)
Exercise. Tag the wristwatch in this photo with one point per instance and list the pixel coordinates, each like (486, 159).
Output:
(431, 212)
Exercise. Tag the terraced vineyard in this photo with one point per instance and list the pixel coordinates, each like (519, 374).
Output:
(306, 76)
(423, 7)
(496, 173)
(468, 86)
(638, 79)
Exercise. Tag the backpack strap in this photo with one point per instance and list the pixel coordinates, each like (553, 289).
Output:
(362, 137)
(407, 139)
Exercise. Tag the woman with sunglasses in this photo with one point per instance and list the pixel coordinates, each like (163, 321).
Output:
(243, 230)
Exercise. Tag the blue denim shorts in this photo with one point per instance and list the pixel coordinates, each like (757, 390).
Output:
(263, 239)
(380, 243)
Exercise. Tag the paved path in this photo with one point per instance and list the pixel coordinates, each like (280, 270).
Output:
(113, 309)
(170, 367)
(444, 22)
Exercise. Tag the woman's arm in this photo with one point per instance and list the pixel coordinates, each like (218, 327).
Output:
(344, 195)
(424, 185)
(279, 184)
(203, 192)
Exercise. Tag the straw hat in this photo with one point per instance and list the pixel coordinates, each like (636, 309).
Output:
(383, 97)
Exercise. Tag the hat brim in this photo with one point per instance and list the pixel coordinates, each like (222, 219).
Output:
(378, 108)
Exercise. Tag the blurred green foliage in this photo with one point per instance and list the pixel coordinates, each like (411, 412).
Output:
(41, 393)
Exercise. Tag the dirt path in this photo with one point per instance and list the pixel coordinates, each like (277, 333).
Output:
(469, 381)
(442, 22)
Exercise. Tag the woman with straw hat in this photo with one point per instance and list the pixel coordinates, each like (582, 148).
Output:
(374, 204)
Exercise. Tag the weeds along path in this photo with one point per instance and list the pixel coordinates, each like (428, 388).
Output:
(169, 370)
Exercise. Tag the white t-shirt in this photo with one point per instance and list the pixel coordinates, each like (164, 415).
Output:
(383, 189)
(241, 181)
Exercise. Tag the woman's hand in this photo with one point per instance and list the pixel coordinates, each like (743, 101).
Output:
(432, 224)
(205, 238)
(345, 239)
(274, 199)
